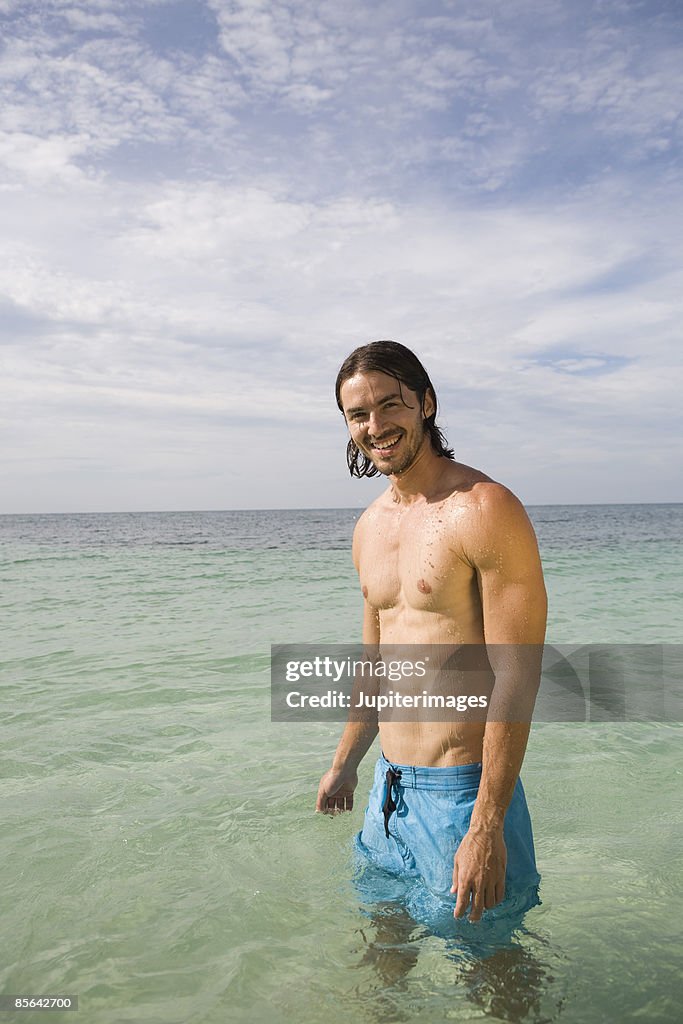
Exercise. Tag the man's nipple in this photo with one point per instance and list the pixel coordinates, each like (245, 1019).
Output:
(365, 592)
(423, 587)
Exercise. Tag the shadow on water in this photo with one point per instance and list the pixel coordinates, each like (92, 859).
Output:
(511, 983)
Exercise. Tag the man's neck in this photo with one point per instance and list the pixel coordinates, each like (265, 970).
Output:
(423, 479)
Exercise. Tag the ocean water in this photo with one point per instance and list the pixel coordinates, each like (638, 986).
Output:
(160, 855)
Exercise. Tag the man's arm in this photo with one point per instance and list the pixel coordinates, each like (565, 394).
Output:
(502, 548)
(335, 792)
(337, 785)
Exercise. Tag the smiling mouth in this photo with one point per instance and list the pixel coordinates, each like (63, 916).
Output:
(387, 446)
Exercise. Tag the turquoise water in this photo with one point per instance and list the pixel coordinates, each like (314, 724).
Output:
(160, 856)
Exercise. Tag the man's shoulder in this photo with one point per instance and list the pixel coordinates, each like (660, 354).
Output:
(485, 495)
(491, 522)
(369, 521)
(470, 488)
(483, 507)
(374, 511)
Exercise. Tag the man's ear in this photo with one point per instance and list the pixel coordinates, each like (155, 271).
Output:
(428, 404)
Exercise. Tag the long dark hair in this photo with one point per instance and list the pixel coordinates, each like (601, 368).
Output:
(399, 362)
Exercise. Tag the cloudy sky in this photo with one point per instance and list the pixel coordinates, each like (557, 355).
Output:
(206, 204)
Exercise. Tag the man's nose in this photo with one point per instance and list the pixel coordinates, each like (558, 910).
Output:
(375, 423)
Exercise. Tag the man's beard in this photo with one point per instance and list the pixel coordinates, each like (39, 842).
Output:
(406, 462)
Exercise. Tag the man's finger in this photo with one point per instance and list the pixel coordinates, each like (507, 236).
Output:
(454, 887)
(325, 803)
(477, 906)
(463, 901)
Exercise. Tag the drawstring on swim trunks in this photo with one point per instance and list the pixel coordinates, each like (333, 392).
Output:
(393, 778)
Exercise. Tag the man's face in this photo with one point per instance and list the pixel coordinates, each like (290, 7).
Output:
(385, 420)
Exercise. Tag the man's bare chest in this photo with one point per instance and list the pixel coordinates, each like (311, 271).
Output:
(414, 561)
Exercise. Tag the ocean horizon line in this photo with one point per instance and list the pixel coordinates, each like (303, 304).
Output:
(315, 508)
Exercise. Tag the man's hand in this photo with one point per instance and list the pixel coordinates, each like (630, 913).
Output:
(479, 871)
(335, 792)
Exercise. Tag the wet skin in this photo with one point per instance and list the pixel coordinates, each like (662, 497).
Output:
(446, 556)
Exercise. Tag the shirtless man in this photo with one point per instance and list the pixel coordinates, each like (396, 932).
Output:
(445, 556)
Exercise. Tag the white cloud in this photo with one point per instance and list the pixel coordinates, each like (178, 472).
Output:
(36, 159)
(83, 20)
(630, 92)
(194, 239)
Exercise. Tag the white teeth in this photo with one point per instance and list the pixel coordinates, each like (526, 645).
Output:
(386, 444)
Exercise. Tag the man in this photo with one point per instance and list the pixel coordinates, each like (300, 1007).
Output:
(445, 556)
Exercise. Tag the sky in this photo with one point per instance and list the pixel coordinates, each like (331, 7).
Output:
(205, 205)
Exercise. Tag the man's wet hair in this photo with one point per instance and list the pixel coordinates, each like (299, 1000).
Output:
(399, 362)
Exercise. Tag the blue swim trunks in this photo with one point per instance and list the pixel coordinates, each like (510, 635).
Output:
(414, 823)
